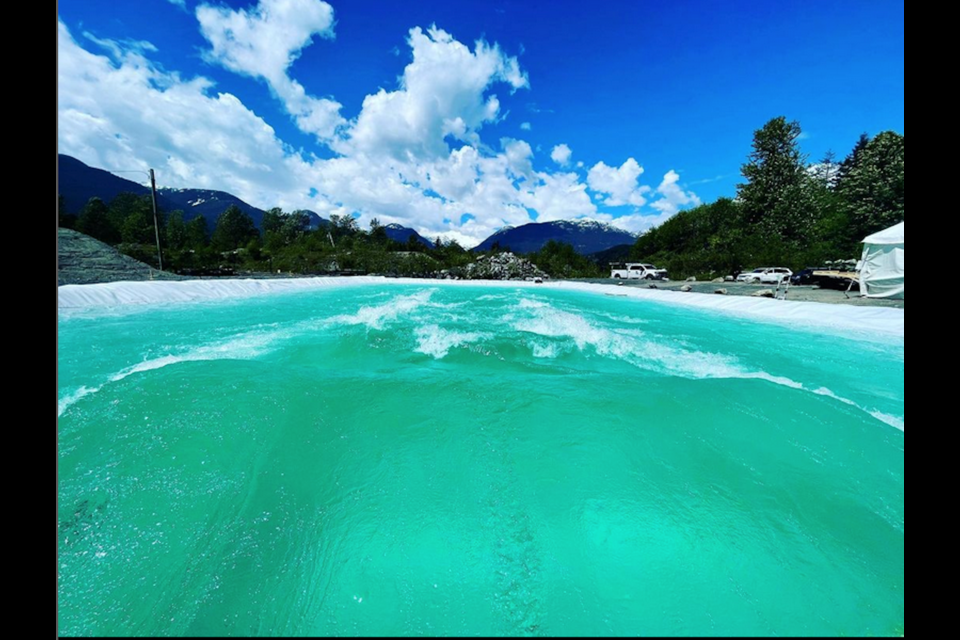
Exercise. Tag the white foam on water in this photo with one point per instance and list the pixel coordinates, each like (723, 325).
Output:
(863, 321)
(622, 319)
(377, 316)
(71, 399)
(435, 341)
(547, 351)
(633, 347)
(893, 421)
(530, 303)
(243, 347)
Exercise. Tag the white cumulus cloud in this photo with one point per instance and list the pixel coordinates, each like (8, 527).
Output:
(619, 186)
(262, 42)
(526, 126)
(443, 93)
(672, 196)
(123, 113)
(412, 155)
(559, 196)
(561, 154)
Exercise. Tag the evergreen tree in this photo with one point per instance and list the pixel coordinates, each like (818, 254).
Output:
(776, 197)
(138, 227)
(198, 234)
(95, 221)
(235, 229)
(826, 171)
(295, 225)
(284, 229)
(561, 260)
(65, 220)
(343, 227)
(126, 205)
(272, 221)
(378, 233)
(176, 231)
(853, 158)
(872, 187)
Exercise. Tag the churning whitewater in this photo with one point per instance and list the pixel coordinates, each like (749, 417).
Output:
(418, 459)
(528, 316)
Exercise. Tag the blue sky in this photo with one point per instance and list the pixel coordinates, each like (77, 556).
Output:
(658, 101)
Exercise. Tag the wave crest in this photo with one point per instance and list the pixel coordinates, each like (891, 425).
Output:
(432, 340)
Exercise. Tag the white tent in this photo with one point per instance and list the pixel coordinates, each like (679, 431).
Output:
(881, 273)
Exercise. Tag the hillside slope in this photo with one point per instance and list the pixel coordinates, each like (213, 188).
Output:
(78, 182)
(83, 260)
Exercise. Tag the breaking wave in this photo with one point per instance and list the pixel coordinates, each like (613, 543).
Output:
(632, 346)
(437, 342)
(377, 316)
(547, 331)
(244, 347)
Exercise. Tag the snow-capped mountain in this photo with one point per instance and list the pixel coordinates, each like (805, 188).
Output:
(78, 183)
(209, 204)
(400, 233)
(586, 236)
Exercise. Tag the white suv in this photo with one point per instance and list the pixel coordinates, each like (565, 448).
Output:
(638, 271)
(766, 276)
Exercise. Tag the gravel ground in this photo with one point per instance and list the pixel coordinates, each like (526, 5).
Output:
(803, 294)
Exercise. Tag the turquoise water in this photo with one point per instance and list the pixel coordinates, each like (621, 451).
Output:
(407, 460)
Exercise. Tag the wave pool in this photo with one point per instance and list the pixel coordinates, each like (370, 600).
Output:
(408, 459)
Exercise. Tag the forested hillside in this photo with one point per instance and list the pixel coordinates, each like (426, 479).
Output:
(788, 212)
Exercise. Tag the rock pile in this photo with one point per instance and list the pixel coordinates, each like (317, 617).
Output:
(503, 266)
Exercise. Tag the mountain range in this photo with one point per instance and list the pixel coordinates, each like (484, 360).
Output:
(586, 236)
(78, 182)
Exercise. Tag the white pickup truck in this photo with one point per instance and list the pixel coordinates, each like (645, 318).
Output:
(638, 271)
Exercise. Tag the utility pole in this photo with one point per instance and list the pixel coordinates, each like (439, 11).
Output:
(156, 218)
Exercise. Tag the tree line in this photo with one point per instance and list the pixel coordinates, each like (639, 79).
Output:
(787, 212)
(285, 243)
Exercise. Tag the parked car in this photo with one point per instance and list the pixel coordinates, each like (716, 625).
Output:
(767, 275)
(805, 277)
(750, 276)
(638, 271)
